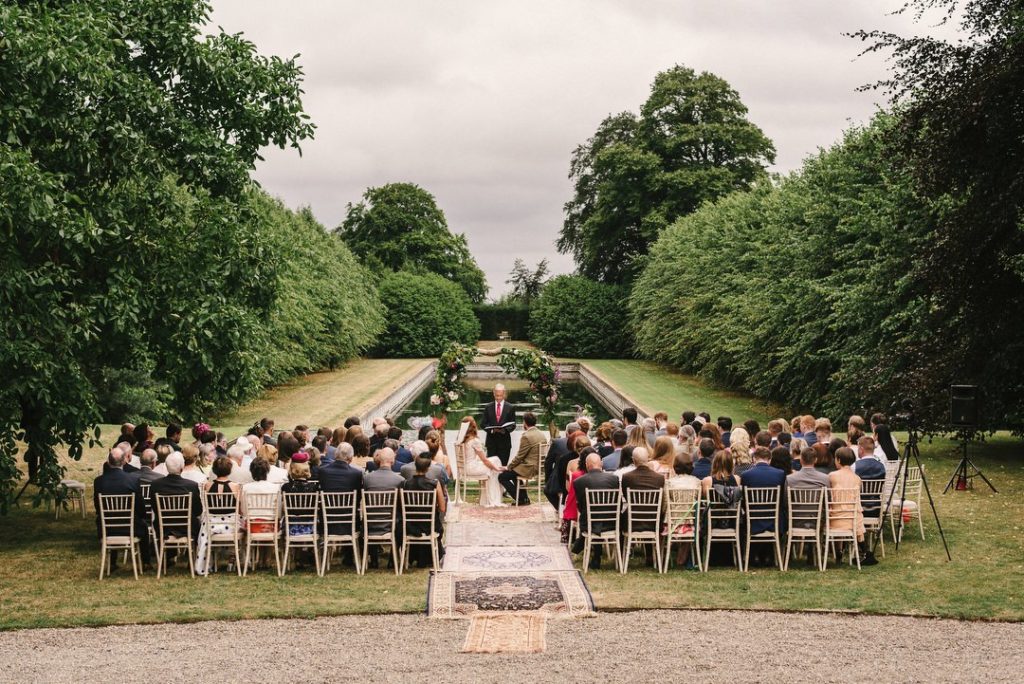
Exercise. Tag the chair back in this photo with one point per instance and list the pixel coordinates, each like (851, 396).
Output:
(682, 508)
(720, 514)
(871, 498)
(379, 511)
(460, 459)
(913, 490)
(301, 508)
(842, 507)
(221, 504)
(603, 507)
(117, 515)
(643, 509)
(805, 507)
(339, 512)
(761, 503)
(174, 511)
(145, 500)
(418, 508)
(262, 509)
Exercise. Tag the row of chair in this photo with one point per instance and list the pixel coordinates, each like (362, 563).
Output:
(823, 518)
(320, 522)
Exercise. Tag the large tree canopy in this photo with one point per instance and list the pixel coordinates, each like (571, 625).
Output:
(400, 227)
(691, 143)
(960, 134)
(130, 240)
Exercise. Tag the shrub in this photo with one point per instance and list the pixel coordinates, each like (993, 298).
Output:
(494, 318)
(423, 314)
(576, 316)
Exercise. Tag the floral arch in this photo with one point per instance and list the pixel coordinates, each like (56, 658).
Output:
(531, 365)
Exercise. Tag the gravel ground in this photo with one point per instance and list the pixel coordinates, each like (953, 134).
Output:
(651, 646)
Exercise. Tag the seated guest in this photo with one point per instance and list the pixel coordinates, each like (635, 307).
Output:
(642, 478)
(526, 463)
(236, 454)
(408, 471)
(299, 482)
(611, 461)
(626, 464)
(275, 473)
(190, 455)
(775, 428)
(807, 477)
(721, 472)
(143, 440)
(172, 437)
(553, 485)
(664, 457)
(128, 467)
(267, 431)
(260, 520)
(360, 450)
(603, 439)
(823, 461)
(380, 433)
(702, 466)
(855, 425)
(337, 437)
(650, 426)
(752, 427)
(781, 459)
(175, 483)
(570, 511)
(845, 478)
(867, 466)
(682, 474)
(763, 439)
(162, 452)
(725, 427)
(435, 449)
(420, 554)
(383, 478)
(687, 440)
(807, 424)
(796, 447)
(341, 475)
(762, 474)
(115, 480)
(823, 430)
(740, 449)
(350, 421)
(403, 455)
(593, 478)
(221, 482)
(146, 463)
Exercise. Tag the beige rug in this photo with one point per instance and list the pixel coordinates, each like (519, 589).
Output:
(561, 594)
(510, 633)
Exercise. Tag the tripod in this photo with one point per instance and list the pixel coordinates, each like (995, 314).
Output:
(902, 470)
(960, 475)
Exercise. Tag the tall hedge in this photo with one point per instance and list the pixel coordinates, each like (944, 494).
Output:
(423, 314)
(497, 318)
(799, 293)
(578, 317)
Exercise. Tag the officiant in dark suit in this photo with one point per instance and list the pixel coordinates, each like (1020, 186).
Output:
(496, 414)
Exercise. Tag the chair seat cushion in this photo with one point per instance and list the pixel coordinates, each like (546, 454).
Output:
(339, 537)
(120, 540)
(73, 484)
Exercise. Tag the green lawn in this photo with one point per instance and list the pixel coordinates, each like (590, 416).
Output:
(659, 388)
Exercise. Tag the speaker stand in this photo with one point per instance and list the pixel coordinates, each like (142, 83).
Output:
(961, 474)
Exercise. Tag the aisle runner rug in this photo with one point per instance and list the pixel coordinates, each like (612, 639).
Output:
(474, 533)
(511, 633)
(462, 594)
(515, 558)
(536, 512)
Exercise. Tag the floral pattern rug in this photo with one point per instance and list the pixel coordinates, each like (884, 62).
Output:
(509, 559)
(463, 594)
(501, 534)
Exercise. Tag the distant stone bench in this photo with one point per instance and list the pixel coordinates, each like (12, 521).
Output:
(504, 336)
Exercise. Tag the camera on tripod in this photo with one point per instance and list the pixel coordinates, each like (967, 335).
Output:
(901, 412)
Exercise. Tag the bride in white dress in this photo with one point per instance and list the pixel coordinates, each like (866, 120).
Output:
(479, 465)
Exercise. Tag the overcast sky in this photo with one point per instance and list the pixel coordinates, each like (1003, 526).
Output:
(482, 102)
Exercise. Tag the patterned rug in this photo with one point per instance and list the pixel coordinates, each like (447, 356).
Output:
(512, 633)
(510, 559)
(462, 594)
(485, 533)
(535, 513)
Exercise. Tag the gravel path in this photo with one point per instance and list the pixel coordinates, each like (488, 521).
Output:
(650, 646)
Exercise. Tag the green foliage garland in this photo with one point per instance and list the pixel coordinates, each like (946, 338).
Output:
(450, 382)
(538, 369)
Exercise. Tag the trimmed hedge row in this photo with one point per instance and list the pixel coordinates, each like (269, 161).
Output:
(495, 318)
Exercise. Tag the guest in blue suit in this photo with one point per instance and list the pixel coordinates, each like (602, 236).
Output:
(702, 466)
(762, 474)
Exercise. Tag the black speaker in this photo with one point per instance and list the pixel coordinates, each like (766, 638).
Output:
(963, 406)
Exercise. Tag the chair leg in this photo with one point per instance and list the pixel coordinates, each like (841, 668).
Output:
(746, 555)
(707, 553)
(277, 559)
(134, 552)
(394, 555)
(316, 558)
(437, 560)
(657, 556)
(668, 553)
(103, 558)
(586, 556)
(400, 565)
(625, 555)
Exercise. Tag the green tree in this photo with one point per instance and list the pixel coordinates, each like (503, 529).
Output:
(126, 142)
(691, 143)
(400, 227)
(576, 316)
(960, 134)
(424, 313)
(527, 284)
